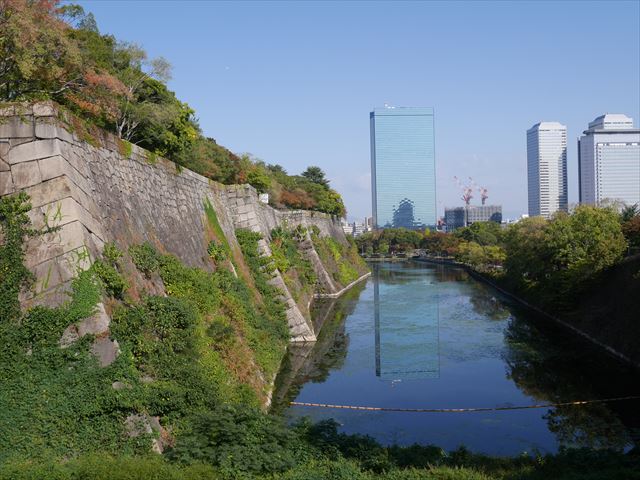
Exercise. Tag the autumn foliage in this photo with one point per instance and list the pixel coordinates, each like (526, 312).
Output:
(51, 51)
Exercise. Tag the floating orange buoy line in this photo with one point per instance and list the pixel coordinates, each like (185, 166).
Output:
(461, 410)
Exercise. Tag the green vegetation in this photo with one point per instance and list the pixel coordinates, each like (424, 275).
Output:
(245, 444)
(297, 271)
(184, 360)
(107, 271)
(394, 241)
(548, 261)
(340, 259)
(261, 269)
(55, 52)
(630, 219)
(14, 275)
(181, 356)
(228, 311)
(555, 260)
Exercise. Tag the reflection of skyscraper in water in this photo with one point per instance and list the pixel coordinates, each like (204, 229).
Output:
(406, 326)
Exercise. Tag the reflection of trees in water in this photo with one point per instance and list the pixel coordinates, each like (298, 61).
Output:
(445, 273)
(485, 303)
(555, 374)
(312, 362)
(408, 271)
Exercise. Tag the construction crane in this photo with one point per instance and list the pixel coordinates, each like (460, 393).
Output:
(484, 194)
(467, 190)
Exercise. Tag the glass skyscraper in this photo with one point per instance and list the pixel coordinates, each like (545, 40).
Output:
(403, 179)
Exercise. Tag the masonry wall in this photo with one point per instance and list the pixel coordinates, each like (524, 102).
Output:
(97, 193)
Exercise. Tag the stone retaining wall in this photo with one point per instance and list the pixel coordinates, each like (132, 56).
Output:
(114, 191)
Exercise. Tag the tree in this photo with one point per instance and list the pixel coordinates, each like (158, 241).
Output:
(37, 58)
(629, 212)
(316, 175)
(524, 245)
(631, 231)
(557, 258)
(483, 233)
(139, 70)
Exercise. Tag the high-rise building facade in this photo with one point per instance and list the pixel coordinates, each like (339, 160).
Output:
(403, 180)
(547, 168)
(609, 161)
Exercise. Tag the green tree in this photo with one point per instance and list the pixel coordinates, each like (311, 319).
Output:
(557, 258)
(316, 175)
(483, 233)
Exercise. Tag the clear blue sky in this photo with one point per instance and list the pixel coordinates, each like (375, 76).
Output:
(293, 83)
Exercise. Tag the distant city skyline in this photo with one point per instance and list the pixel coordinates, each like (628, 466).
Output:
(291, 82)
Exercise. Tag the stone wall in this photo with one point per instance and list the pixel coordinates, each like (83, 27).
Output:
(107, 190)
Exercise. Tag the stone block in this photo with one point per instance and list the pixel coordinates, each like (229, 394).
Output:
(6, 183)
(16, 127)
(52, 167)
(53, 297)
(77, 158)
(26, 174)
(14, 142)
(69, 265)
(47, 276)
(34, 150)
(44, 109)
(105, 350)
(96, 324)
(46, 128)
(7, 111)
(47, 192)
(70, 239)
(4, 149)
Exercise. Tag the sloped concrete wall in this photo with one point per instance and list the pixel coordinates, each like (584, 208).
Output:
(97, 194)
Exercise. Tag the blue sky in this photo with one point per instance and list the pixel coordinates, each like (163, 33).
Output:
(293, 82)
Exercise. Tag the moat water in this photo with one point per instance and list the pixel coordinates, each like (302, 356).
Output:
(430, 336)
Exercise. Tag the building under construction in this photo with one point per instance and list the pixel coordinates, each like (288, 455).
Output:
(459, 217)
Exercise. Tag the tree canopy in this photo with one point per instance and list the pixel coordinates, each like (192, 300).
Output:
(50, 51)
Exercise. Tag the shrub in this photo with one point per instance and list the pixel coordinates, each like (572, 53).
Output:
(237, 440)
(145, 258)
(217, 252)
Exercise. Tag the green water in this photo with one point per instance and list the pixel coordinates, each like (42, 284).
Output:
(425, 336)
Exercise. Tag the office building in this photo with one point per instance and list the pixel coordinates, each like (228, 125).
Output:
(609, 161)
(547, 168)
(403, 181)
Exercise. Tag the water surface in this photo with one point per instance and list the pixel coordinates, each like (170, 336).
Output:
(427, 336)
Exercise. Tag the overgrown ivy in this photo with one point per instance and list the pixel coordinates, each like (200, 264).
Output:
(297, 271)
(14, 276)
(341, 260)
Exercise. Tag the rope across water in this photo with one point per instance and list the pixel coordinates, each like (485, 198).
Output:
(462, 410)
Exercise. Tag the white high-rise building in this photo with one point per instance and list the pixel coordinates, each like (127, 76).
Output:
(547, 168)
(609, 161)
